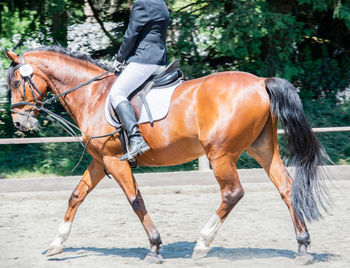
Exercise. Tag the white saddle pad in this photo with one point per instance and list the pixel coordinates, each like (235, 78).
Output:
(158, 100)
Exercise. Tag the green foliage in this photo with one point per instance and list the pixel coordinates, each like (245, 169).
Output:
(52, 158)
(326, 112)
(6, 124)
(45, 20)
(267, 38)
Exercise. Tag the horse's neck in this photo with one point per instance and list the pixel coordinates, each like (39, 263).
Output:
(65, 75)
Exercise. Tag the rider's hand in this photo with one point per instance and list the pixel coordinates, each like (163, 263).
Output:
(118, 66)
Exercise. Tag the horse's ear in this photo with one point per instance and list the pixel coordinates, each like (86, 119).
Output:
(12, 56)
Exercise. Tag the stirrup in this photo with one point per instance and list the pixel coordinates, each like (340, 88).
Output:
(128, 156)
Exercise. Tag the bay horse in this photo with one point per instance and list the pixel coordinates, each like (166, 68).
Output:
(220, 115)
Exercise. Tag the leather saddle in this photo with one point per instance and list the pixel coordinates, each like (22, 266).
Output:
(169, 77)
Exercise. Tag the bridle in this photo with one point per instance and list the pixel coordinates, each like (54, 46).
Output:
(27, 72)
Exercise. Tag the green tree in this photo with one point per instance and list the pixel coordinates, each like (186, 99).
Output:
(46, 20)
(267, 38)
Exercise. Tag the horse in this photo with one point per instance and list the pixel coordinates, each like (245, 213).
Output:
(220, 115)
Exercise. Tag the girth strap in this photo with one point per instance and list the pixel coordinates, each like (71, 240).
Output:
(148, 110)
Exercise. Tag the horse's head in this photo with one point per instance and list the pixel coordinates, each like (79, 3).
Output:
(28, 89)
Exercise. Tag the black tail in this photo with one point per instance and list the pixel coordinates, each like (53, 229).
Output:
(304, 151)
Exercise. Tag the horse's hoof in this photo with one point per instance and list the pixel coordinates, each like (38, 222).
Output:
(304, 259)
(153, 258)
(199, 253)
(54, 251)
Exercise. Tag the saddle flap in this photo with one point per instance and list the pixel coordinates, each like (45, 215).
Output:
(158, 101)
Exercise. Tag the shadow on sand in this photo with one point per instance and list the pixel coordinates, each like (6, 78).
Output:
(184, 249)
(262, 253)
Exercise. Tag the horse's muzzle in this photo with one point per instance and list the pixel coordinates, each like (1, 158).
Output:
(25, 123)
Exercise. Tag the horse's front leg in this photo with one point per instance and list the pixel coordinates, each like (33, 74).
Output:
(121, 172)
(92, 176)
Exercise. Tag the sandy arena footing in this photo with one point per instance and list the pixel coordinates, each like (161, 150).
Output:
(107, 233)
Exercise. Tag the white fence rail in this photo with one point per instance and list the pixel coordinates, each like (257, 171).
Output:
(38, 140)
(323, 129)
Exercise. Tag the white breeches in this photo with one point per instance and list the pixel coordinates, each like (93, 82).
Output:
(133, 76)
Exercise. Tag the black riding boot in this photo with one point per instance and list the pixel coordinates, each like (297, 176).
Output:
(137, 145)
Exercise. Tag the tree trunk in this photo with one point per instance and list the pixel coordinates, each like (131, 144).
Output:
(89, 14)
(59, 22)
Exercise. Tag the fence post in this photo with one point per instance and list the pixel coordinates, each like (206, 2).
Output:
(203, 163)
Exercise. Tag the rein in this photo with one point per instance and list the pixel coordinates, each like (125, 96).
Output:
(26, 74)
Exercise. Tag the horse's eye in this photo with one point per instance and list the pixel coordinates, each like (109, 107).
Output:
(16, 83)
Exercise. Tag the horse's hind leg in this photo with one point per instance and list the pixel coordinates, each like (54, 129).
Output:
(265, 151)
(92, 176)
(225, 171)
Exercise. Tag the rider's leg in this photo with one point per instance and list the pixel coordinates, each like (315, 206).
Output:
(133, 76)
(126, 116)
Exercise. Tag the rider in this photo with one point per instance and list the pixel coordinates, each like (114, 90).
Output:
(143, 50)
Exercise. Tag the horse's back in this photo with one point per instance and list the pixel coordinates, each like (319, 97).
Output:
(241, 92)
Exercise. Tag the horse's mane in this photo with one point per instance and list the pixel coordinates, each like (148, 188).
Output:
(72, 54)
(61, 50)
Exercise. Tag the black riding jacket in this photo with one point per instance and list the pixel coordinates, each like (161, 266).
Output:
(144, 39)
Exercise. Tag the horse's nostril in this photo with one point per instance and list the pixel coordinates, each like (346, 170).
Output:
(17, 124)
